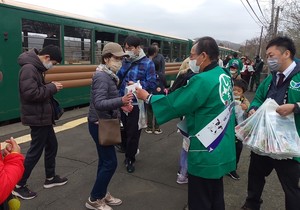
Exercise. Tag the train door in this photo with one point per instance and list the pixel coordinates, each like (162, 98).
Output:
(10, 48)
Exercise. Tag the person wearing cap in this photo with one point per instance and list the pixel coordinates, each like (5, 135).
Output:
(135, 68)
(105, 104)
(237, 61)
(234, 71)
(37, 112)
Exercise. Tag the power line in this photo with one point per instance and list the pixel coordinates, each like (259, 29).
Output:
(254, 12)
(261, 10)
(250, 13)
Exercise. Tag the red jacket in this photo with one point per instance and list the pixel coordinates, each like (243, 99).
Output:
(11, 171)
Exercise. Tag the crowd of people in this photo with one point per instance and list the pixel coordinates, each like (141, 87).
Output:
(208, 117)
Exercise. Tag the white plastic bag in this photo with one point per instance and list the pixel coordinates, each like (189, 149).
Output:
(268, 133)
(142, 113)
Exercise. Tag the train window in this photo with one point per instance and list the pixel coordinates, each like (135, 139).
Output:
(102, 38)
(121, 39)
(184, 51)
(176, 55)
(37, 34)
(77, 43)
(144, 43)
(167, 51)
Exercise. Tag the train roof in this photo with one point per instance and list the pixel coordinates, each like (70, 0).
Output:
(81, 17)
(229, 49)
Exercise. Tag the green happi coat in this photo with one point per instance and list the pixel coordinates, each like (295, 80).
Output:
(200, 101)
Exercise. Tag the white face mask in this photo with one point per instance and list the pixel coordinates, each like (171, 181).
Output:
(48, 65)
(193, 66)
(115, 65)
(131, 54)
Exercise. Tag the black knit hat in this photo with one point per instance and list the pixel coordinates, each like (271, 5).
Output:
(53, 51)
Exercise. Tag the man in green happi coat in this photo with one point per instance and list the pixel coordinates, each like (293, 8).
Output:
(206, 103)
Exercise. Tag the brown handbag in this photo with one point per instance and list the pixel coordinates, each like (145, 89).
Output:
(109, 132)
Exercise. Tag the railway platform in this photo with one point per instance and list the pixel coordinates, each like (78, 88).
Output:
(153, 184)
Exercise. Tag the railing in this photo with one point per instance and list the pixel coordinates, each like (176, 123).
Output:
(81, 75)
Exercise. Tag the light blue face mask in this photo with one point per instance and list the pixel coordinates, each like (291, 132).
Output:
(48, 65)
(273, 64)
(193, 66)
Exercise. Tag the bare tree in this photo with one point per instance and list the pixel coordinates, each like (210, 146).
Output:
(290, 22)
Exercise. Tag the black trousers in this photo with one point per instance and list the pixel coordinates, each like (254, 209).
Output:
(238, 150)
(131, 133)
(43, 137)
(205, 194)
(288, 172)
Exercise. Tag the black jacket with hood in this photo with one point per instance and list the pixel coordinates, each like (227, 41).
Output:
(35, 95)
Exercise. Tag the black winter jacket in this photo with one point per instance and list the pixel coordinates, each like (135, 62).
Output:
(36, 108)
(105, 100)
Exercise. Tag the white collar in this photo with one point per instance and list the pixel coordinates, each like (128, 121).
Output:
(288, 70)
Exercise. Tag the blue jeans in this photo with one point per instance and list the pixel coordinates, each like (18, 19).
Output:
(106, 166)
(183, 162)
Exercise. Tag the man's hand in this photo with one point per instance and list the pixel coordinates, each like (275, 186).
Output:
(285, 109)
(58, 86)
(141, 94)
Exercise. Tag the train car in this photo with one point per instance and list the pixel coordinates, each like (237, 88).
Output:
(224, 51)
(81, 39)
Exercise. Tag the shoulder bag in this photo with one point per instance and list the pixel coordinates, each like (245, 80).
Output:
(57, 109)
(109, 132)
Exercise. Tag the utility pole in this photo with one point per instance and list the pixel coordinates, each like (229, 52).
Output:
(276, 22)
(272, 19)
(245, 47)
(259, 46)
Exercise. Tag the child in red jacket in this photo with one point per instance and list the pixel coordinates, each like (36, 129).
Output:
(11, 168)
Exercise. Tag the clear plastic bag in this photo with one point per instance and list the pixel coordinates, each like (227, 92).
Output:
(268, 133)
(239, 112)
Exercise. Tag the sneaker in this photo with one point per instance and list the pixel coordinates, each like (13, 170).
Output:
(56, 181)
(149, 130)
(182, 179)
(234, 175)
(158, 131)
(110, 200)
(137, 152)
(24, 192)
(129, 166)
(99, 204)
(120, 148)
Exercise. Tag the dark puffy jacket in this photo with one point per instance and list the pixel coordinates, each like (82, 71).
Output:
(104, 98)
(36, 109)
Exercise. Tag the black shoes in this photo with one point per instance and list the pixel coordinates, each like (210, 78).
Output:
(234, 175)
(129, 166)
(55, 181)
(24, 192)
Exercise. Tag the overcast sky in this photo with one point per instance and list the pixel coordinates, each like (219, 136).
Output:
(222, 19)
